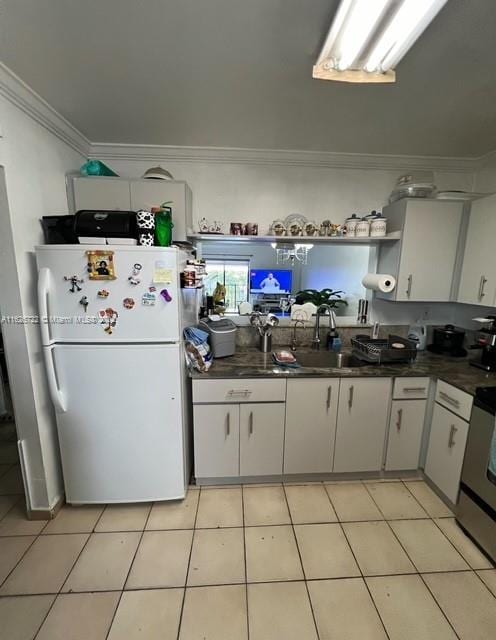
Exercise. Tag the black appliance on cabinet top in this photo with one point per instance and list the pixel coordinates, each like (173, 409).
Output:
(448, 340)
(485, 340)
(476, 510)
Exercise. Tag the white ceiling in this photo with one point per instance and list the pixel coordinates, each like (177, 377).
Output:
(237, 73)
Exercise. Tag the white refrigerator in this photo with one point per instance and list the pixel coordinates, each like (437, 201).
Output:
(111, 320)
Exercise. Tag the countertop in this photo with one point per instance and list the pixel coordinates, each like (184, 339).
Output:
(252, 363)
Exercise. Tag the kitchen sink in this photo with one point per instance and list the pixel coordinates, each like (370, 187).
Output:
(327, 360)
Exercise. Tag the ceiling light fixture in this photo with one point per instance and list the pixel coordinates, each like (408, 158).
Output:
(368, 38)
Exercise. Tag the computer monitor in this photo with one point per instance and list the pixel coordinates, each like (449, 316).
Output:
(271, 281)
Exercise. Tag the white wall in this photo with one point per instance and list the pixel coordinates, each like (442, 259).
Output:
(35, 163)
(244, 192)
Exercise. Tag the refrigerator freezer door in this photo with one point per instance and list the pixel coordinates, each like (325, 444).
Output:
(142, 313)
(122, 436)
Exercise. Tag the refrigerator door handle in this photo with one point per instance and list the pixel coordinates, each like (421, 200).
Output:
(55, 393)
(43, 289)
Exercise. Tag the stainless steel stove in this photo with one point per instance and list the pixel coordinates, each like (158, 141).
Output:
(476, 511)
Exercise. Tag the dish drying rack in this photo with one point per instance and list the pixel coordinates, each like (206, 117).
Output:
(381, 351)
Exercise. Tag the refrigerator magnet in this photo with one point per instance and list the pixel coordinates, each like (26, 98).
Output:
(134, 277)
(108, 319)
(166, 295)
(75, 282)
(128, 303)
(84, 303)
(103, 293)
(101, 265)
(162, 274)
(148, 299)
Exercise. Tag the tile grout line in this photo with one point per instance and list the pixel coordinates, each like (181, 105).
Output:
(246, 566)
(301, 563)
(121, 591)
(360, 568)
(180, 622)
(415, 566)
(68, 573)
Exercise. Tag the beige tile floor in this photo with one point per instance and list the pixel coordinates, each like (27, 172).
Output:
(318, 561)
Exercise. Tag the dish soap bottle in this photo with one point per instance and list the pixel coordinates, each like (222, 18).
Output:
(164, 225)
(334, 342)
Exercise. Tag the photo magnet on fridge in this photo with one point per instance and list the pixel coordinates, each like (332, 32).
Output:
(101, 265)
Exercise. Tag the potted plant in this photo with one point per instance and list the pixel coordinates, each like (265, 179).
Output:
(318, 298)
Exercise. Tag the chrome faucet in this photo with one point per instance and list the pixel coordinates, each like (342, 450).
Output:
(294, 342)
(322, 311)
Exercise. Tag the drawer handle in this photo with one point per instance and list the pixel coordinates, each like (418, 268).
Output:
(400, 419)
(482, 286)
(250, 423)
(329, 392)
(451, 441)
(449, 399)
(239, 392)
(409, 286)
(228, 424)
(350, 396)
(413, 389)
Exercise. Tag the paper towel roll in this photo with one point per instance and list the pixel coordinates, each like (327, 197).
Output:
(379, 282)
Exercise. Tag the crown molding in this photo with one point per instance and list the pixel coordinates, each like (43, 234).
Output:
(22, 96)
(16, 91)
(226, 155)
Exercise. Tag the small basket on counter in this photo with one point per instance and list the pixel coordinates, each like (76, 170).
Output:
(394, 349)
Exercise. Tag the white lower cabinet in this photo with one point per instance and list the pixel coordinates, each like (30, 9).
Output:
(216, 440)
(446, 450)
(362, 423)
(238, 439)
(406, 426)
(261, 435)
(311, 413)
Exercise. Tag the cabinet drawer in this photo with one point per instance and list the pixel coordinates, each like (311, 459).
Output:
(453, 399)
(405, 388)
(239, 390)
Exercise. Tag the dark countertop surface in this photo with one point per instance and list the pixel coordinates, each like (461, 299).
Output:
(251, 363)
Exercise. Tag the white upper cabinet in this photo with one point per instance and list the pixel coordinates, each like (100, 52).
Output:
(478, 277)
(423, 261)
(101, 193)
(132, 195)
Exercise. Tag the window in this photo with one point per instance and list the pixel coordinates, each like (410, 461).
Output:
(233, 274)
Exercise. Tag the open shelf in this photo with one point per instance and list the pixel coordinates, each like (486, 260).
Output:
(212, 237)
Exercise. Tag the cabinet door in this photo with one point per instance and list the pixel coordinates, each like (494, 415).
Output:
(405, 434)
(216, 440)
(261, 428)
(311, 413)
(478, 278)
(146, 194)
(428, 251)
(101, 193)
(362, 422)
(446, 450)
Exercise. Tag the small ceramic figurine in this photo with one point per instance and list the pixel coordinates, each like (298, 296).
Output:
(295, 229)
(278, 228)
(310, 228)
(324, 228)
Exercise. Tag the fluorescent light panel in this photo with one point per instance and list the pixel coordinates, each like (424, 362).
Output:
(372, 36)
